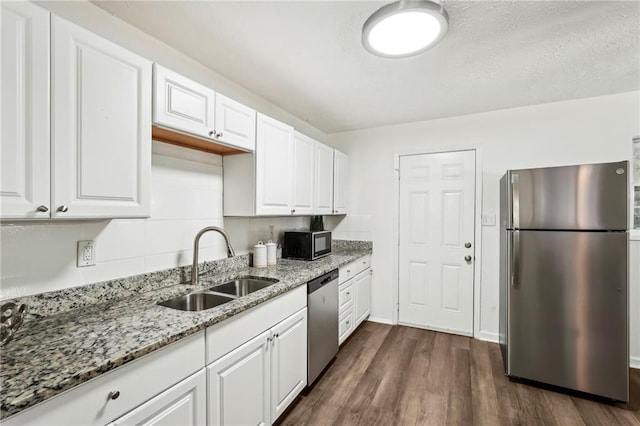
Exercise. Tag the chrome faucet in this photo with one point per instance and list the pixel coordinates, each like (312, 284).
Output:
(196, 247)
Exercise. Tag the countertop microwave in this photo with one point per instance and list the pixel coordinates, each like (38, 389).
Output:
(306, 245)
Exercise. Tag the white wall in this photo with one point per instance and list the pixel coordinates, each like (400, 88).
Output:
(580, 131)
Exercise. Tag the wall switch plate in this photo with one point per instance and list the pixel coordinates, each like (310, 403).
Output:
(86, 253)
(488, 219)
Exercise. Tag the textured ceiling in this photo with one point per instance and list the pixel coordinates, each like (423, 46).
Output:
(306, 56)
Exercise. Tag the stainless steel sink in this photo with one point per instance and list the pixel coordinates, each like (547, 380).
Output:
(196, 301)
(243, 286)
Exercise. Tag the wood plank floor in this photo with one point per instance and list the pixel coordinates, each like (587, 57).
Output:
(394, 375)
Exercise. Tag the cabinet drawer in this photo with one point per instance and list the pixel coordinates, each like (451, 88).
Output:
(345, 297)
(136, 382)
(345, 325)
(352, 269)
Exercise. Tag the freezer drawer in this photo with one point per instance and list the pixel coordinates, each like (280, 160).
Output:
(568, 310)
(585, 197)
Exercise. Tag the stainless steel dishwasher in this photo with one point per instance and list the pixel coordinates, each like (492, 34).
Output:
(322, 305)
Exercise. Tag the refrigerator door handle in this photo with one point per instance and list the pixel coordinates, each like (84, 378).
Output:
(515, 201)
(515, 259)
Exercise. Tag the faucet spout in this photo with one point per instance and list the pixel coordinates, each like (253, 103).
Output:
(196, 248)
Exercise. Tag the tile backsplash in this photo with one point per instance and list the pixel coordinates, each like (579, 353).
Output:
(186, 195)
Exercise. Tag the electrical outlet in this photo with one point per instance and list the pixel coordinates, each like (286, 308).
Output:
(86, 253)
(488, 219)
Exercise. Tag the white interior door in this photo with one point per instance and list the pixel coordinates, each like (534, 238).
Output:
(437, 203)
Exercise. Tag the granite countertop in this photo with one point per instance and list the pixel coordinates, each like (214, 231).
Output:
(56, 352)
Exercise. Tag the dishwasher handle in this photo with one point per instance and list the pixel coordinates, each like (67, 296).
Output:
(321, 281)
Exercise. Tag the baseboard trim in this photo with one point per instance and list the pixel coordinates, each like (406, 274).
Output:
(634, 362)
(488, 336)
(380, 320)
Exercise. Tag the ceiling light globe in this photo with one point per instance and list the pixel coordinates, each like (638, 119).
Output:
(404, 28)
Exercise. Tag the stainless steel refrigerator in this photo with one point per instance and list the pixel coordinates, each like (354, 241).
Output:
(564, 277)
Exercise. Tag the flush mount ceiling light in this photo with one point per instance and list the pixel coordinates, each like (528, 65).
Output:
(404, 28)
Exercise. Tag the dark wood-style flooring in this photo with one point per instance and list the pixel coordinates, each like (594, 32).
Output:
(394, 375)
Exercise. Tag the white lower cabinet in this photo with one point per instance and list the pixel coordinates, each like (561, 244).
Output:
(288, 362)
(256, 382)
(354, 296)
(239, 385)
(182, 404)
(257, 361)
(362, 284)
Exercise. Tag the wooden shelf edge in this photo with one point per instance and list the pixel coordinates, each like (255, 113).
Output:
(160, 134)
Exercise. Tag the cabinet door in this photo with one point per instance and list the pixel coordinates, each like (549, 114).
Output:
(182, 104)
(324, 179)
(303, 171)
(235, 123)
(24, 147)
(182, 404)
(288, 362)
(274, 167)
(340, 182)
(101, 140)
(362, 284)
(239, 385)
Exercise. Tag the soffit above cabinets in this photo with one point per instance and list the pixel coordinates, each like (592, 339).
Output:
(307, 58)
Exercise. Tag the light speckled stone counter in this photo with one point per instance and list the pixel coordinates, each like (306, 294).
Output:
(68, 346)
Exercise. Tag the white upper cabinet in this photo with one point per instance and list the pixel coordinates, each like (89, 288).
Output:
(323, 197)
(101, 132)
(303, 174)
(235, 123)
(340, 182)
(24, 151)
(86, 151)
(183, 104)
(274, 167)
(189, 107)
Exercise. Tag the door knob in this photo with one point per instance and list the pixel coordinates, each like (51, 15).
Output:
(467, 245)
(43, 209)
(467, 258)
(63, 209)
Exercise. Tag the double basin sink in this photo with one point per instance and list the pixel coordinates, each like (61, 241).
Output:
(218, 295)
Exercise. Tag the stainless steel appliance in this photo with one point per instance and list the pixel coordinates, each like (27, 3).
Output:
(563, 277)
(306, 245)
(322, 305)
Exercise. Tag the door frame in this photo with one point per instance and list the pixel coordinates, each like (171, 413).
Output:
(477, 263)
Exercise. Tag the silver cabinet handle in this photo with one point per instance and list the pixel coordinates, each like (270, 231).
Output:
(293, 211)
(114, 394)
(43, 209)
(219, 135)
(467, 258)
(212, 133)
(63, 209)
(515, 200)
(467, 245)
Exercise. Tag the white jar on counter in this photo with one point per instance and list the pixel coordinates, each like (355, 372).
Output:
(260, 255)
(271, 253)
